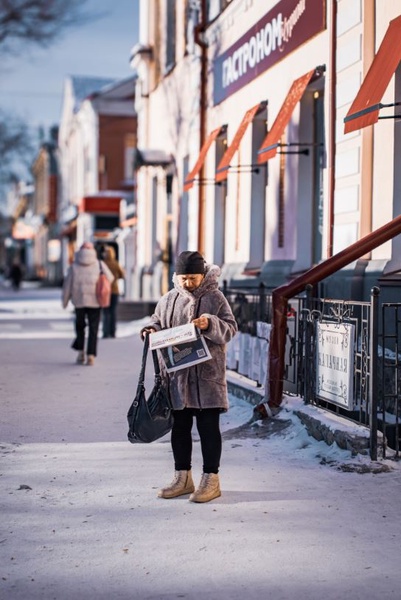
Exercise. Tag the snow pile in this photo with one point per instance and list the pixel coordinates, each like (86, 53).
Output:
(295, 440)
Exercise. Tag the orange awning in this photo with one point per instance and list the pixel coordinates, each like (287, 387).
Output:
(224, 164)
(101, 204)
(190, 178)
(271, 142)
(365, 108)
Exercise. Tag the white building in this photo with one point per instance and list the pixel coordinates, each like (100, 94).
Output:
(243, 104)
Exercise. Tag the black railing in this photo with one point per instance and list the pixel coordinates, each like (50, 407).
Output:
(249, 305)
(389, 404)
(355, 399)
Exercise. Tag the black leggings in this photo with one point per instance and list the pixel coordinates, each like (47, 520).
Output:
(92, 316)
(208, 425)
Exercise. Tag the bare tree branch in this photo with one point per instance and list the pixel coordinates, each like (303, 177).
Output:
(15, 143)
(38, 21)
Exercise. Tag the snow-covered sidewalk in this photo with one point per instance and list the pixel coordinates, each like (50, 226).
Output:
(81, 518)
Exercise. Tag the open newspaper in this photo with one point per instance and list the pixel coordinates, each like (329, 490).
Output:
(180, 347)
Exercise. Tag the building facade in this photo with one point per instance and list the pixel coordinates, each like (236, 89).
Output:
(166, 102)
(244, 103)
(47, 247)
(97, 144)
(19, 240)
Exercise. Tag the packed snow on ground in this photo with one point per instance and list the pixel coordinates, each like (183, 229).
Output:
(297, 519)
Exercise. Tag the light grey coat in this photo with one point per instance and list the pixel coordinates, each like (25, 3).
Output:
(79, 285)
(204, 385)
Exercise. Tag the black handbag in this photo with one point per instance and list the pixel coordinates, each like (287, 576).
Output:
(149, 419)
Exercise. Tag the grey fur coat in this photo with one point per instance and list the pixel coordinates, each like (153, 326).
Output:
(204, 385)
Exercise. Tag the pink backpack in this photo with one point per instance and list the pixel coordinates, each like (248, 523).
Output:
(103, 289)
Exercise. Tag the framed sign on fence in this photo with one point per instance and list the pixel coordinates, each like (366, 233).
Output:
(335, 363)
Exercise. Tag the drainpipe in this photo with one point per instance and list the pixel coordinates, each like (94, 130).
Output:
(199, 29)
(332, 125)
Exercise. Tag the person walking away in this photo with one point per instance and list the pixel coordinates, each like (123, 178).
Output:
(15, 275)
(110, 312)
(198, 392)
(79, 286)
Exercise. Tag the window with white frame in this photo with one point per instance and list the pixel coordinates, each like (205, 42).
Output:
(129, 156)
(220, 194)
(171, 22)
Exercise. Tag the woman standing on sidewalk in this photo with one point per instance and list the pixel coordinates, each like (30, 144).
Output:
(80, 287)
(110, 312)
(200, 391)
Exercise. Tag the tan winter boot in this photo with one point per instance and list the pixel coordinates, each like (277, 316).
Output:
(80, 357)
(181, 484)
(91, 360)
(209, 488)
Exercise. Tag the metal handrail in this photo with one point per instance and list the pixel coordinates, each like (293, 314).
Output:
(283, 293)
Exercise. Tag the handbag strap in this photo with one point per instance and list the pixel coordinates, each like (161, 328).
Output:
(100, 267)
(144, 358)
(156, 363)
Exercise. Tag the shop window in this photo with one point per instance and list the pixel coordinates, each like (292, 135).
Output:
(171, 17)
(102, 170)
(129, 163)
(258, 194)
(305, 195)
(168, 234)
(87, 161)
(129, 156)
(220, 193)
(187, 26)
(318, 165)
(281, 201)
(192, 15)
(183, 214)
(106, 222)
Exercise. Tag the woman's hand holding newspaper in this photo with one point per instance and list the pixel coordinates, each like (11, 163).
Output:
(201, 322)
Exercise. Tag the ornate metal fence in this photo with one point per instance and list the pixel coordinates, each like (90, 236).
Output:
(360, 397)
(249, 306)
(358, 322)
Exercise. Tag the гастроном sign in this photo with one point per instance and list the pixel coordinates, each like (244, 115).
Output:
(283, 29)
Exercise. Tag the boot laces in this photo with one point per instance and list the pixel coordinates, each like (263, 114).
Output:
(179, 477)
(207, 481)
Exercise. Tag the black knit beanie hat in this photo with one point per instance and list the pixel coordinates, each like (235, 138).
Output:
(190, 263)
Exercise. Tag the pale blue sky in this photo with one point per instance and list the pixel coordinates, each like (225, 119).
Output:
(32, 84)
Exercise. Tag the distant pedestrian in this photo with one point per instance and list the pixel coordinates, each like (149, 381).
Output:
(80, 287)
(198, 392)
(110, 312)
(15, 275)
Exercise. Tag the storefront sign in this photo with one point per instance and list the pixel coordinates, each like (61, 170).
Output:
(283, 29)
(335, 363)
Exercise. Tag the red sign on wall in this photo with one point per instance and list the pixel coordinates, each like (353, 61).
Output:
(281, 31)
